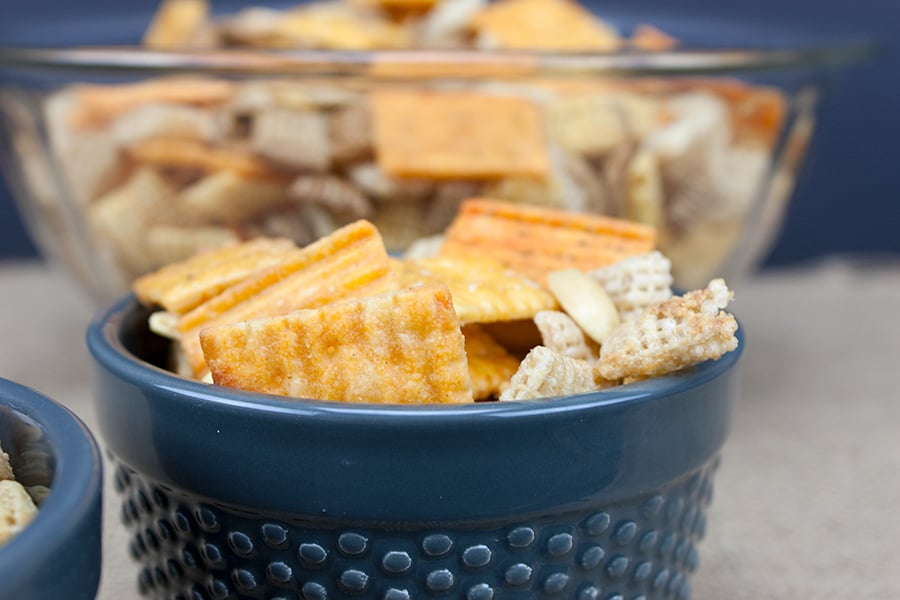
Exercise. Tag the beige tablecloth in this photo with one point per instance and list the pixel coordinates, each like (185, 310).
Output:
(808, 494)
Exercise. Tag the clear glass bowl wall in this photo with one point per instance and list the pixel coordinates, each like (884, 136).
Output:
(114, 179)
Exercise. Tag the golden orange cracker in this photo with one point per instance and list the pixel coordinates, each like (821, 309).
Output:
(413, 5)
(651, 39)
(401, 347)
(195, 154)
(97, 104)
(535, 241)
(518, 337)
(543, 25)
(483, 290)
(181, 286)
(756, 112)
(175, 23)
(760, 114)
(453, 134)
(490, 365)
(348, 263)
(401, 10)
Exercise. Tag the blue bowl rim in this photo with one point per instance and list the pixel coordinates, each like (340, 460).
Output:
(108, 350)
(76, 485)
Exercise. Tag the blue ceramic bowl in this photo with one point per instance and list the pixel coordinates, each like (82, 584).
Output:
(58, 554)
(238, 495)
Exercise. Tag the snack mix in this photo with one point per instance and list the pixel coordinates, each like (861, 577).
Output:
(17, 507)
(166, 167)
(516, 303)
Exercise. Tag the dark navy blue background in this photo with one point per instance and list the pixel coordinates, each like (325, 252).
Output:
(849, 198)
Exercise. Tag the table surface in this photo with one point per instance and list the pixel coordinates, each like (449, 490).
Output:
(806, 502)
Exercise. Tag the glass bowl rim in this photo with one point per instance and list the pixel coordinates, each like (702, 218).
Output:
(409, 64)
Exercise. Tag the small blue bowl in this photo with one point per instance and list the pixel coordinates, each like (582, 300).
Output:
(230, 494)
(58, 554)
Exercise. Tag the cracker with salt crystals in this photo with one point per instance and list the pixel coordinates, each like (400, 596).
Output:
(483, 290)
(175, 23)
(181, 286)
(350, 262)
(457, 134)
(95, 105)
(543, 25)
(194, 154)
(536, 241)
(671, 335)
(401, 347)
(490, 365)
(545, 373)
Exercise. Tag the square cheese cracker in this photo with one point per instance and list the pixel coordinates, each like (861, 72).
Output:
(560, 25)
(535, 241)
(181, 286)
(457, 135)
(483, 290)
(175, 23)
(402, 347)
(350, 262)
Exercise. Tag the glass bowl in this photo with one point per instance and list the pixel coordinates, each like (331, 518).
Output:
(122, 159)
